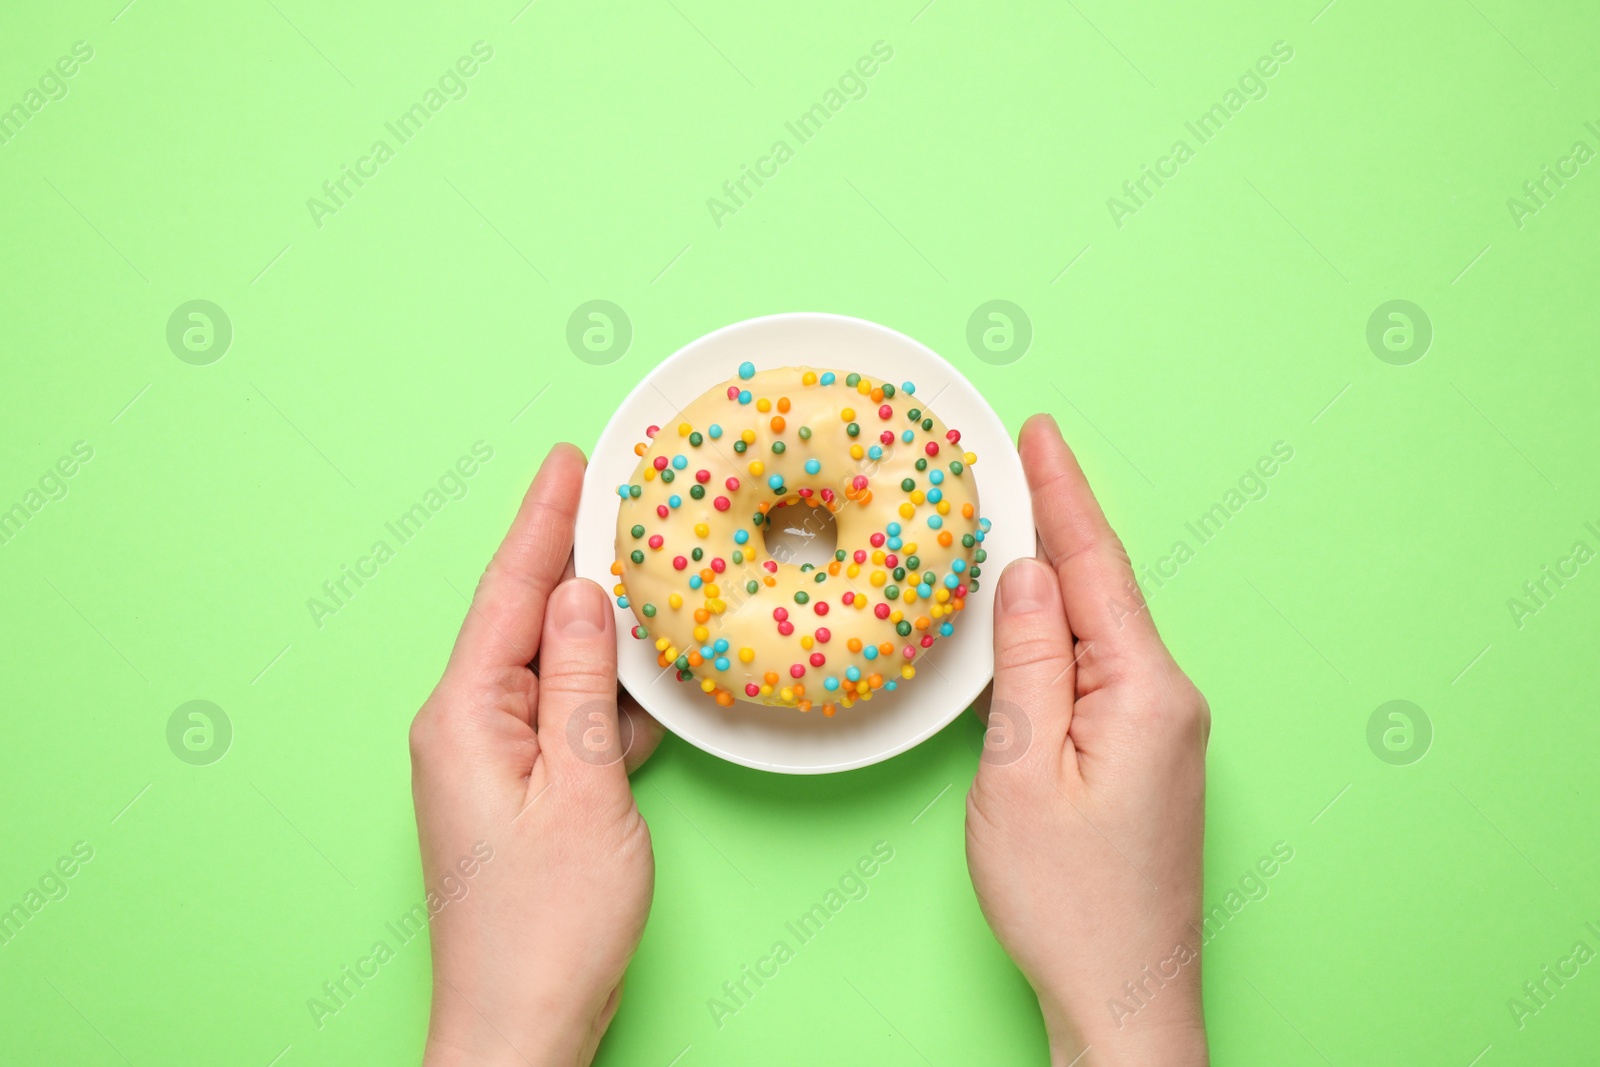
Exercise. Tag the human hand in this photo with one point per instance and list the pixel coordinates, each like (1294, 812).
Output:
(522, 797)
(1084, 826)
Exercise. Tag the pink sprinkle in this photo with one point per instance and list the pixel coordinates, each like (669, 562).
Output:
(848, 598)
(733, 392)
(910, 652)
(718, 565)
(732, 484)
(661, 463)
(931, 448)
(786, 628)
(820, 607)
(885, 411)
(860, 556)
(751, 689)
(652, 430)
(702, 476)
(797, 670)
(818, 659)
(823, 635)
(722, 503)
(877, 540)
(859, 481)
(881, 611)
(886, 438)
(780, 613)
(953, 436)
(661, 510)
(656, 541)
(678, 563)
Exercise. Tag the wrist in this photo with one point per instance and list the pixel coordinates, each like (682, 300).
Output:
(1173, 1038)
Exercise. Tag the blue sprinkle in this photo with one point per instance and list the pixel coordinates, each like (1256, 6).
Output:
(924, 590)
(894, 544)
(959, 565)
(679, 462)
(891, 685)
(715, 431)
(622, 601)
(907, 387)
(722, 663)
(622, 491)
(741, 536)
(674, 501)
(744, 396)
(874, 452)
(984, 524)
(695, 581)
(871, 652)
(853, 673)
(747, 370)
(830, 683)
(979, 536)
(813, 466)
(908, 437)
(893, 529)
(935, 521)
(936, 476)
(721, 645)
(827, 378)
(775, 482)
(945, 629)
(951, 581)
(705, 652)
(935, 495)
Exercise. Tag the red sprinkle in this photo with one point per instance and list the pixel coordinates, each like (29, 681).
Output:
(771, 565)
(859, 481)
(885, 411)
(805, 493)
(827, 496)
(848, 598)
(953, 436)
(718, 565)
(860, 556)
(751, 689)
(818, 659)
(702, 476)
(661, 510)
(931, 448)
(823, 635)
(797, 670)
(927, 640)
(678, 563)
(780, 613)
(722, 503)
(886, 438)
(733, 392)
(881, 611)
(661, 463)
(786, 628)
(820, 607)
(656, 541)
(891, 561)
(910, 652)
(732, 484)
(877, 540)
(652, 430)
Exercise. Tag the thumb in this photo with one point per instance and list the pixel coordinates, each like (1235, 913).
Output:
(1034, 676)
(577, 712)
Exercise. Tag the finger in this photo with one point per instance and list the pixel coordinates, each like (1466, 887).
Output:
(507, 614)
(1104, 605)
(1033, 665)
(640, 731)
(577, 714)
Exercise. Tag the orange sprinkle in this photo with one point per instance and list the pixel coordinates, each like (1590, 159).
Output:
(875, 680)
(966, 510)
(695, 660)
(777, 424)
(783, 404)
(886, 649)
(725, 698)
(833, 568)
(877, 395)
(771, 677)
(945, 539)
(701, 615)
(922, 622)
(616, 568)
(769, 580)
(854, 644)
(827, 709)
(804, 705)
(640, 449)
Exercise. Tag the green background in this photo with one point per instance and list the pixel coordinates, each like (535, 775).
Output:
(1228, 313)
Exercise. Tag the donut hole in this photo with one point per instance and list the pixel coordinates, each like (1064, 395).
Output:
(801, 534)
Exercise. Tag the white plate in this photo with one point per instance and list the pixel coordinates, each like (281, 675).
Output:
(957, 667)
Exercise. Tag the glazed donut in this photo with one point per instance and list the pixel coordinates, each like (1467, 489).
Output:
(691, 555)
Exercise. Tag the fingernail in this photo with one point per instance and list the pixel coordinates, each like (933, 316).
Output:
(1025, 586)
(578, 608)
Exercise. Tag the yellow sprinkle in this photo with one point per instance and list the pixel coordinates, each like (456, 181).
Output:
(672, 652)
(909, 548)
(661, 644)
(701, 529)
(786, 694)
(746, 655)
(910, 594)
(707, 685)
(807, 641)
(619, 589)
(848, 414)
(649, 474)
(766, 690)
(908, 671)
(808, 378)
(757, 467)
(863, 688)
(856, 451)
(906, 510)
(971, 458)
(879, 577)
(943, 507)
(701, 633)
(711, 590)
(896, 616)
(684, 429)
(674, 600)
(942, 596)
(763, 404)
(917, 496)
(878, 555)
(852, 570)
(748, 437)
(861, 603)
(863, 387)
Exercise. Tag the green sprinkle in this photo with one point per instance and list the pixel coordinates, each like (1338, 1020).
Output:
(697, 491)
(967, 540)
(778, 447)
(807, 568)
(805, 433)
(888, 390)
(908, 484)
(739, 447)
(912, 562)
(637, 531)
(975, 571)
(649, 611)
(838, 554)
(927, 424)
(802, 597)
(696, 440)
(891, 592)
(980, 555)
(636, 556)
(757, 519)
(682, 663)
(852, 380)
(914, 414)
(752, 586)
(698, 554)
(822, 576)
(922, 464)
(955, 467)
(972, 586)
(903, 628)
(667, 475)
(738, 557)
(854, 429)
(636, 491)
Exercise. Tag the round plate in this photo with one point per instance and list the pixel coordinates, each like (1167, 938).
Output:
(949, 676)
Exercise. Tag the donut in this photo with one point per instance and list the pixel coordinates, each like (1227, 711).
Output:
(776, 447)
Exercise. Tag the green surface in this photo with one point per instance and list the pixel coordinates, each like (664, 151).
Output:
(1177, 338)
